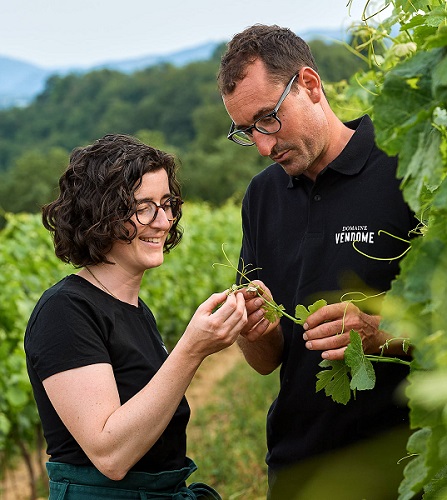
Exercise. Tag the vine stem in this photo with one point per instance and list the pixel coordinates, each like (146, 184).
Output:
(382, 258)
(385, 359)
(281, 312)
(259, 291)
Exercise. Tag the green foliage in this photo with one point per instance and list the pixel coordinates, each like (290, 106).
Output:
(222, 173)
(362, 371)
(334, 380)
(27, 268)
(409, 108)
(353, 373)
(32, 181)
(78, 108)
(335, 61)
(302, 312)
(177, 109)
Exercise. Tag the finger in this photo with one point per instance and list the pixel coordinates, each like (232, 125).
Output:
(233, 313)
(226, 307)
(334, 354)
(333, 342)
(325, 330)
(263, 290)
(213, 302)
(327, 313)
(254, 305)
(257, 331)
(253, 319)
(249, 292)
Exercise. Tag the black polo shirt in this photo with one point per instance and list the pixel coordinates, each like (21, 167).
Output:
(299, 236)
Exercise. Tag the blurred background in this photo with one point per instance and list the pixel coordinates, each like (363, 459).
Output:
(70, 73)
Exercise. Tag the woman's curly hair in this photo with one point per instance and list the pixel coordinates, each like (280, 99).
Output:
(96, 199)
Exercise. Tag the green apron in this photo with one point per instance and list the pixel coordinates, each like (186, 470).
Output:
(74, 482)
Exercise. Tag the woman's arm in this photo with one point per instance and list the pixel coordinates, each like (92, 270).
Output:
(116, 436)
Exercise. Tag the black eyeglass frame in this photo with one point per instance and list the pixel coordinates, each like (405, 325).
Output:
(166, 205)
(273, 114)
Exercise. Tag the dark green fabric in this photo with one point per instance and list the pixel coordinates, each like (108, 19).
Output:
(72, 482)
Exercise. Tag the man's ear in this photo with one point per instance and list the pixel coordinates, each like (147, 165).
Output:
(311, 81)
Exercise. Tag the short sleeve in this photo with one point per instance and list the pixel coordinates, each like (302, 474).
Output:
(66, 331)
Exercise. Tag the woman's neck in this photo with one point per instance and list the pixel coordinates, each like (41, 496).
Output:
(114, 281)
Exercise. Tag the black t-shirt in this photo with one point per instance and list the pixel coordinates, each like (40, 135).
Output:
(76, 324)
(299, 235)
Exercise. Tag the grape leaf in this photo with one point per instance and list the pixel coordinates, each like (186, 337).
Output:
(361, 368)
(334, 381)
(272, 311)
(416, 470)
(302, 312)
(317, 305)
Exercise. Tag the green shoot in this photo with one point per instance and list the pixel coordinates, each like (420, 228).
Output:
(338, 378)
(273, 311)
(384, 258)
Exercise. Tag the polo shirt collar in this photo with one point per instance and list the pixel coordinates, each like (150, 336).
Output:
(355, 154)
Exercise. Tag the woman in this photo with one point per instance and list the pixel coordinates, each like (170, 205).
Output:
(110, 398)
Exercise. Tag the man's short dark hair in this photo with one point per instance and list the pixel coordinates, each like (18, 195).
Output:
(283, 52)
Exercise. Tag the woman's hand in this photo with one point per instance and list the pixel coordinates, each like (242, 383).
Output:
(216, 324)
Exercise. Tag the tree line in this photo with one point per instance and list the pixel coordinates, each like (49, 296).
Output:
(174, 108)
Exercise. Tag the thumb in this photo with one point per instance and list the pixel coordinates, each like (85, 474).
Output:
(214, 301)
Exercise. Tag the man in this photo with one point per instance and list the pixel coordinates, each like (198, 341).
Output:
(329, 185)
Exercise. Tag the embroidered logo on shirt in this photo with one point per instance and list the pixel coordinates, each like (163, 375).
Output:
(348, 234)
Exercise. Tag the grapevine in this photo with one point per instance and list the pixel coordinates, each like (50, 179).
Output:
(409, 112)
(339, 378)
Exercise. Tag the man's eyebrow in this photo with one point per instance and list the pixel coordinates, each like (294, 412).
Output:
(262, 112)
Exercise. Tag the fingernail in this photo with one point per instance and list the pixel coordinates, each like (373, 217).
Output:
(325, 355)
(305, 336)
(305, 326)
(309, 345)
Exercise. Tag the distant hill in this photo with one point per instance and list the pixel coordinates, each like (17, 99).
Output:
(181, 58)
(21, 81)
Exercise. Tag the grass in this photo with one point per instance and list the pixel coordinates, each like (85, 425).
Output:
(227, 436)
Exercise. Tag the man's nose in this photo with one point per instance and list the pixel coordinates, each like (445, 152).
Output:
(264, 142)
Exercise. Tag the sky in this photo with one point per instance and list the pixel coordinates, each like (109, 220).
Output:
(60, 33)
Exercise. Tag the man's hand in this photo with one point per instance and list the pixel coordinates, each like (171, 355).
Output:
(328, 330)
(257, 325)
(260, 341)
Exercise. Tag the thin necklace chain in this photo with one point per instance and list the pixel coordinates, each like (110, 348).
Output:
(100, 284)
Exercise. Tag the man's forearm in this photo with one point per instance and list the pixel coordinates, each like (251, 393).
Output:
(264, 354)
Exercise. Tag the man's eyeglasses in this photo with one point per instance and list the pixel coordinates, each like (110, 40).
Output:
(147, 210)
(267, 124)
